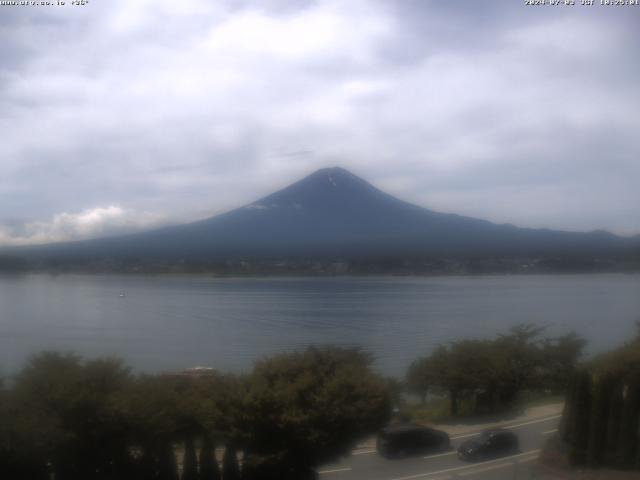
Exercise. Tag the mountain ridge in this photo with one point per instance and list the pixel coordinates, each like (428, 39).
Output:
(334, 213)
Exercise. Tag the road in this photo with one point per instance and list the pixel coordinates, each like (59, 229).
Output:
(368, 465)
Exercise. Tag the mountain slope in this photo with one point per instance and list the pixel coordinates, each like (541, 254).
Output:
(335, 213)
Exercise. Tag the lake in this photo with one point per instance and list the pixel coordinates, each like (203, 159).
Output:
(173, 322)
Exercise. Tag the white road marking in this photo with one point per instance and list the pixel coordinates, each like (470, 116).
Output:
(540, 420)
(533, 421)
(466, 435)
(550, 431)
(466, 467)
(335, 470)
(440, 455)
(498, 466)
(366, 452)
(486, 469)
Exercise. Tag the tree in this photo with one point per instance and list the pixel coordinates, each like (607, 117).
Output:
(396, 390)
(614, 421)
(148, 405)
(421, 376)
(522, 354)
(230, 467)
(559, 358)
(167, 467)
(67, 418)
(600, 411)
(567, 421)
(190, 462)
(490, 374)
(209, 469)
(628, 436)
(580, 419)
(303, 409)
(464, 369)
(76, 419)
(18, 458)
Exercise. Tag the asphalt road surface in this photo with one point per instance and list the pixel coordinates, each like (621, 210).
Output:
(368, 465)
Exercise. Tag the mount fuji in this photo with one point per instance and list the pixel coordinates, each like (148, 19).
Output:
(334, 213)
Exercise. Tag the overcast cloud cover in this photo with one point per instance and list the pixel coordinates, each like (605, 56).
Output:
(122, 115)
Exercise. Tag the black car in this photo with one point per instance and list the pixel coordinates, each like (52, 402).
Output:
(490, 444)
(398, 441)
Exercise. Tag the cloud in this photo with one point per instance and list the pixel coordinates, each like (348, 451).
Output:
(90, 223)
(187, 110)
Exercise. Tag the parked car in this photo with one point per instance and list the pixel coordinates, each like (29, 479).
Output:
(490, 444)
(403, 440)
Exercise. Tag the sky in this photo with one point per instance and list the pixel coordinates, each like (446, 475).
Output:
(122, 115)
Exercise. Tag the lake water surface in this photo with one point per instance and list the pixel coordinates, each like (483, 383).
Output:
(173, 322)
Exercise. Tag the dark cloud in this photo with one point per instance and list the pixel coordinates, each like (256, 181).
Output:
(177, 111)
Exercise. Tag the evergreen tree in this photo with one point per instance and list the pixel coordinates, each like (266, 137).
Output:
(167, 467)
(230, 467)
(628, 439)
(614, 404)
(580, 428)
(600, 409)
(147, 465)
(567, 421)
(614, 422)
(209, 469)
(190, 461)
